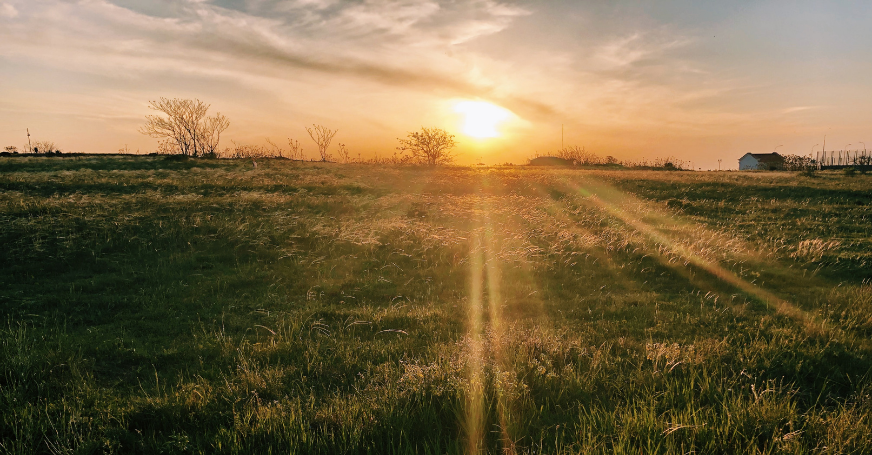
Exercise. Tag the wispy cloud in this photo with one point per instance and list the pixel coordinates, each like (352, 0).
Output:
(404, 42)
(793, 109)
(639, 49)
(8, 11)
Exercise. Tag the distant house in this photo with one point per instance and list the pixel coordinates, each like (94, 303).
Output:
(761, 161)
(550, 161)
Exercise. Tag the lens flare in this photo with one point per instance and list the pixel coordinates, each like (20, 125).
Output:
(481, 118)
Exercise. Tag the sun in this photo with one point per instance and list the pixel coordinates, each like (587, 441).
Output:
(481, 118)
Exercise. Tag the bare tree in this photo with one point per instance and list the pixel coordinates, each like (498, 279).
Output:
(296, 150)
(322, 136)
(167, 147)
(579, 155)
(44, 147)
(431, 146)
(276, 150)
(343, 153)
(186, 125)
(210, 132)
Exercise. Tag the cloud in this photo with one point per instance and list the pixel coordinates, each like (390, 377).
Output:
(637, 48)
(791, 110)
(392, 17)
(409, 43)
(426, 47)
(8, 11)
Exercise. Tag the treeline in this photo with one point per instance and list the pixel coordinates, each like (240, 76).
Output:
(849, 164)
(35, 148)
(185, 130)
(579, 156)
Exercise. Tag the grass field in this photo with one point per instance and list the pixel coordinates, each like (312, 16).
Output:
(203, 306)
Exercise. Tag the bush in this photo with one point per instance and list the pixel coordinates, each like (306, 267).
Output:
(671, 163)
(799, 163)
(430, 146)
(579, 156)
(322, 136)
(185, 129)
(45, 148)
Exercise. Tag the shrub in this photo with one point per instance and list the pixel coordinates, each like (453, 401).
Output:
(671, 164)
(247, 151)
(322, 137)
(431, 146)
(45, 147)
(798, 163)
(579, 156)
(186, 128)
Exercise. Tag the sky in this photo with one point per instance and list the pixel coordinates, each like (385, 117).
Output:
(700, 81)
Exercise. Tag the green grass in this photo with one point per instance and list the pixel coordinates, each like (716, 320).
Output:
(202, 306)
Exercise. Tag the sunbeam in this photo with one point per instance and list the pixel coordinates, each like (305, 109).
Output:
(609, 199)
(475, 406)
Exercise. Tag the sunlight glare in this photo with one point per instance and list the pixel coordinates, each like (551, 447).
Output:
(481, 118)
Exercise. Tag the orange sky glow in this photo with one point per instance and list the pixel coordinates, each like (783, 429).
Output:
(700, 81)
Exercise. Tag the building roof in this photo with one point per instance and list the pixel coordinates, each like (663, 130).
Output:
(766, 157)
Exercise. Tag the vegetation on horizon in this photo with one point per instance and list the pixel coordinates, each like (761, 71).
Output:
(578, 156)
(322, 136)
(430, 146)
(186, 129)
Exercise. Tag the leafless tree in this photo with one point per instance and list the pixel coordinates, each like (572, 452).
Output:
(431, 146)
(579, 156)
(210, 132)
(167, 147)
(186, 125)
(322, 136)
(343, 153)
(276, 150)
(44, 147)
(296, 150)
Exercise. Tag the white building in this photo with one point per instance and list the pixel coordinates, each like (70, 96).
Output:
(761, 161)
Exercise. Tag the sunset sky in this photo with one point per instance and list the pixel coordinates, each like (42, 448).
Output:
(701, 81)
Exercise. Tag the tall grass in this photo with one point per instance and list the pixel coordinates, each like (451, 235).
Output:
(205, 306)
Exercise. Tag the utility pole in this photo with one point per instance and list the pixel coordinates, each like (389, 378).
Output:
(824, 149)
(561, 137)
(29, 148)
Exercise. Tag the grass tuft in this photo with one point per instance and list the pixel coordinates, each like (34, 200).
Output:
(200, 306)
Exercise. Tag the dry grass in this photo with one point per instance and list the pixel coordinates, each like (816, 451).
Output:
(206, 306)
